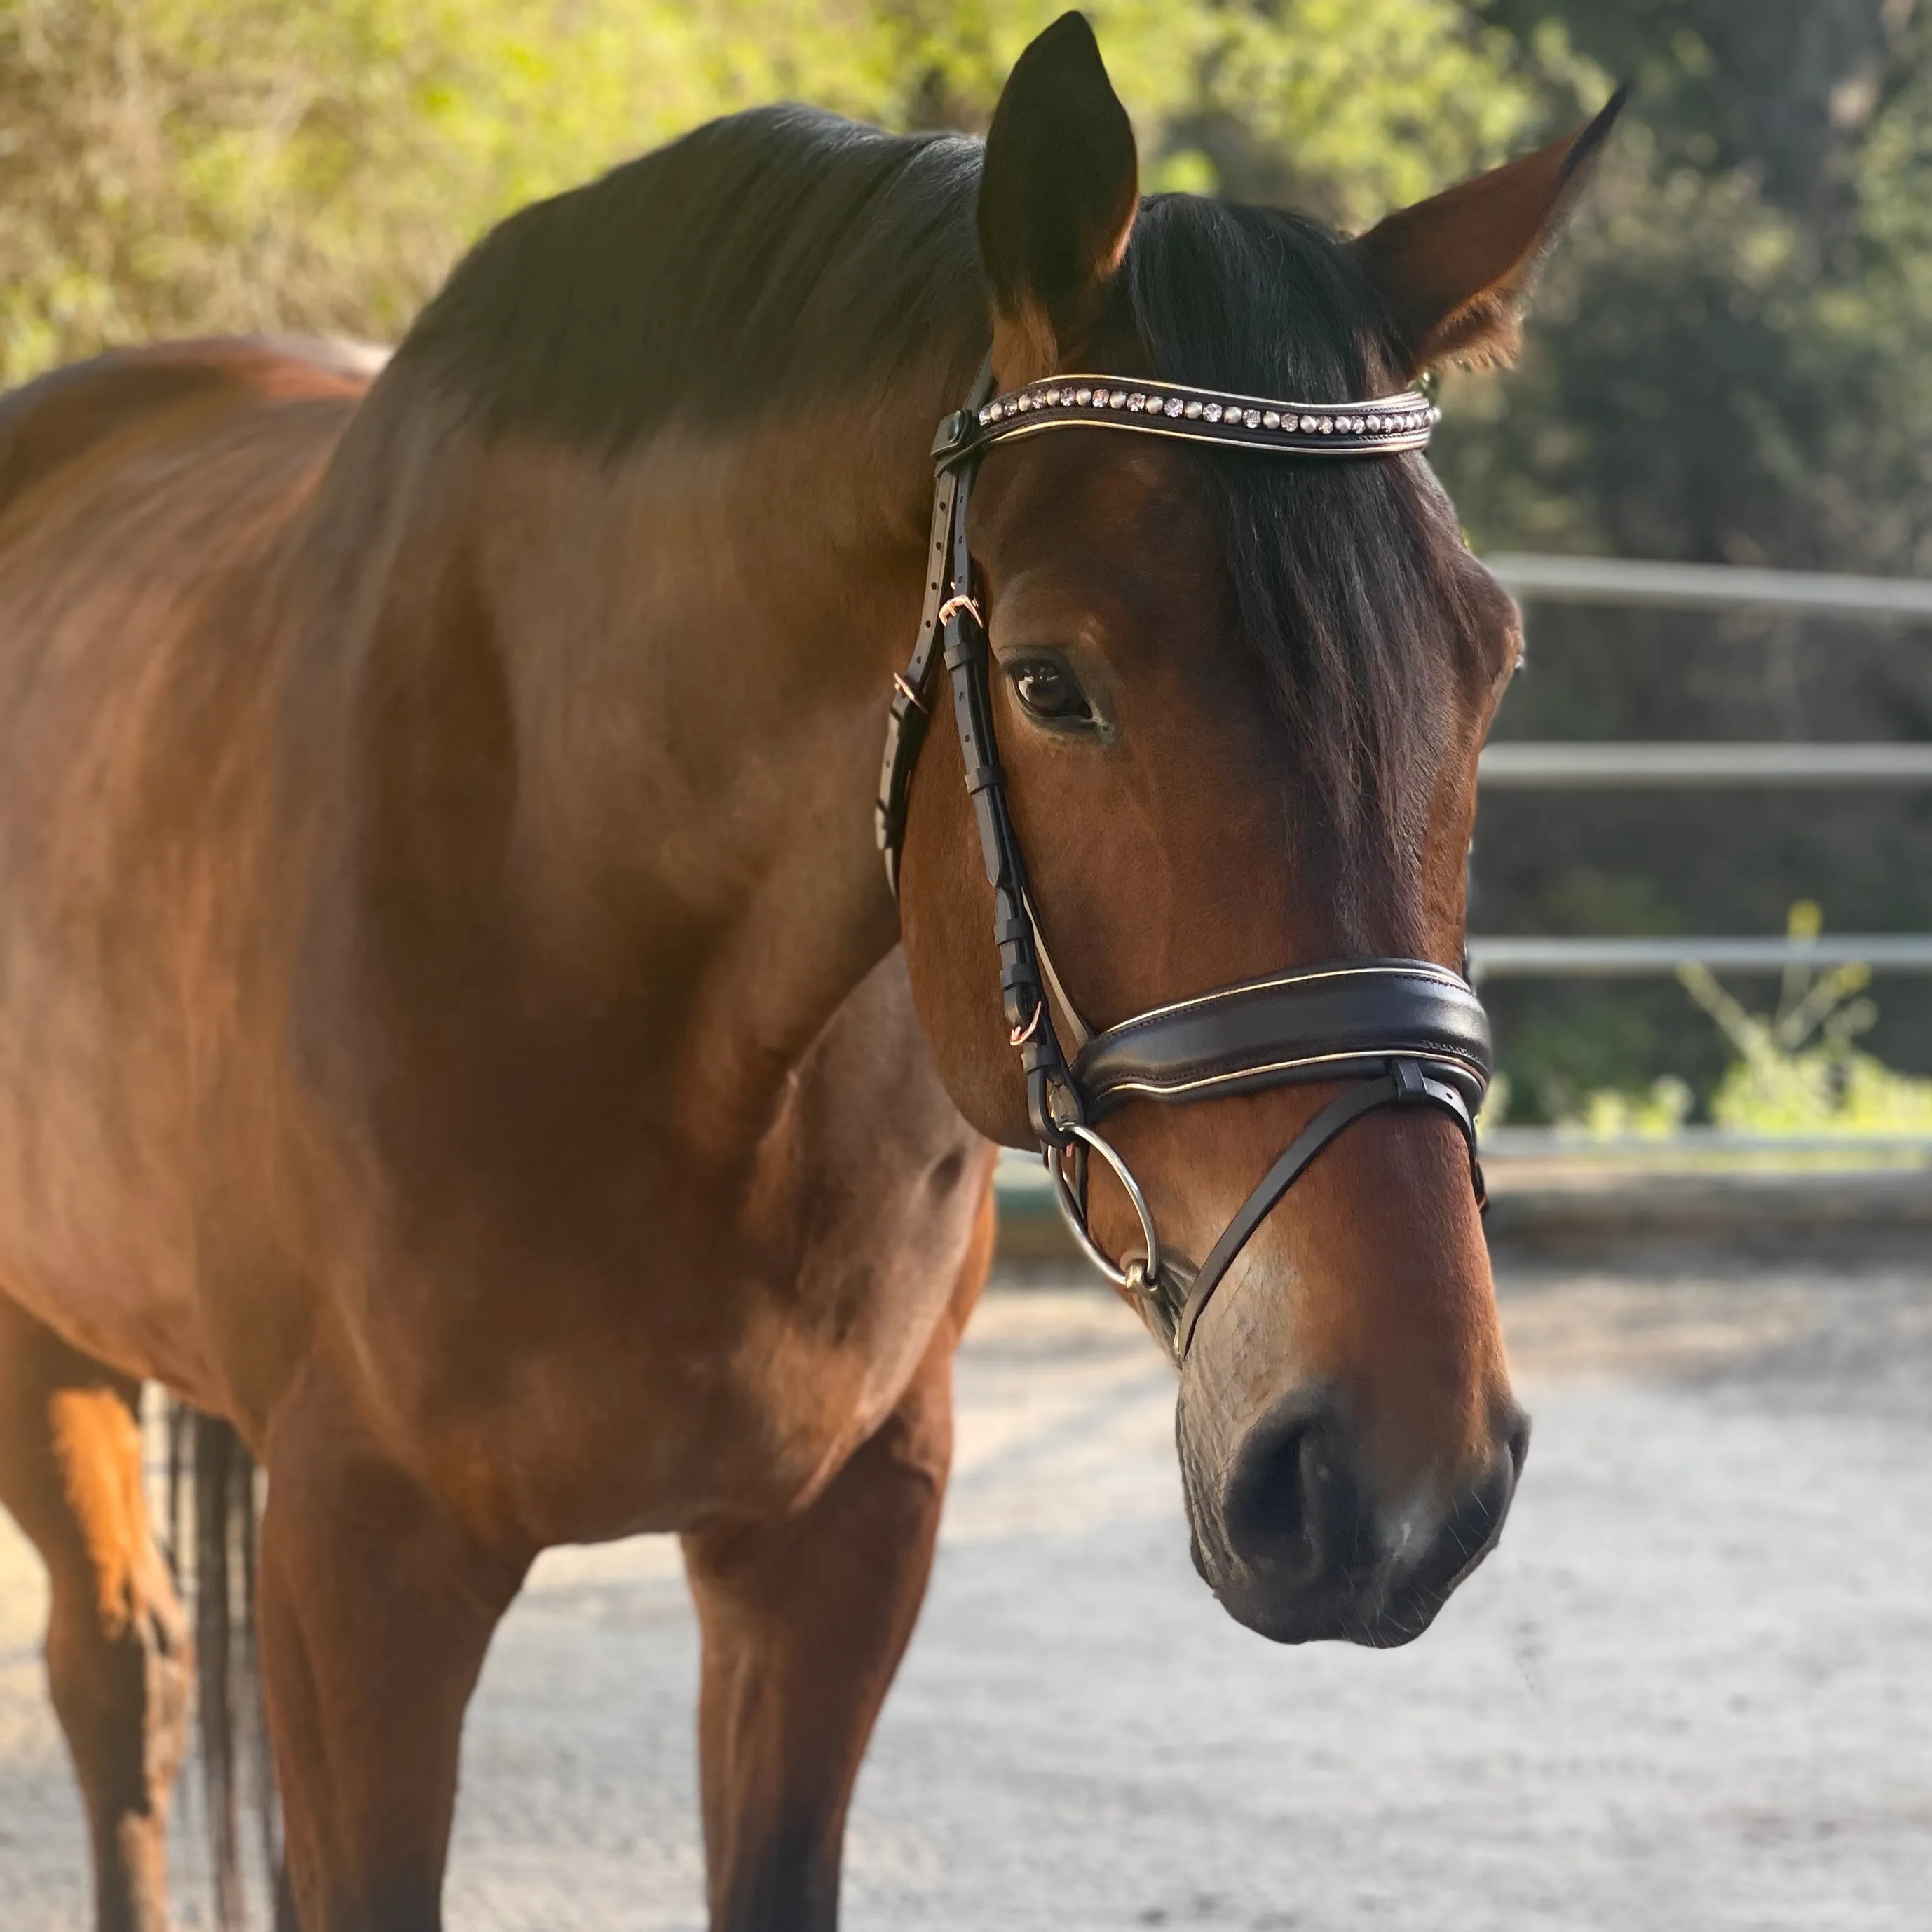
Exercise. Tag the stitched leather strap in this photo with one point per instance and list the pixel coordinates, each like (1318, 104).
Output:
(1051, 1099)
(1332, 1022)
(910, 713)
(1406, 1083)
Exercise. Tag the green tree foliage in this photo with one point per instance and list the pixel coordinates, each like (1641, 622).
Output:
(173, 165)
(1732, 340)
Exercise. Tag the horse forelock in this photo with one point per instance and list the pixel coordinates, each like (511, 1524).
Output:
(1348, 576)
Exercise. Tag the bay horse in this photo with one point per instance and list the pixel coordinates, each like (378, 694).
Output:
(454, 1026)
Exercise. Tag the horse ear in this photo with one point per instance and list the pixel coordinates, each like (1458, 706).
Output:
(1454, 272)
(1056, 201)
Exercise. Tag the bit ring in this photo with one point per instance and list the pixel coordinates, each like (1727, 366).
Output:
(1142, 1274)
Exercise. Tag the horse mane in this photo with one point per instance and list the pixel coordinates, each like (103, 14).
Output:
(781, 255)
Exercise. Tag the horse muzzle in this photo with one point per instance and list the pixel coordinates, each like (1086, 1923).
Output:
(1289, 1532)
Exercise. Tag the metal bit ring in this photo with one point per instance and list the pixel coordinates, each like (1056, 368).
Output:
(1142, 1275)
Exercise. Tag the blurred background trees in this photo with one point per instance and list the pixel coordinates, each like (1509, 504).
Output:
(1729, 362)
(317, 164)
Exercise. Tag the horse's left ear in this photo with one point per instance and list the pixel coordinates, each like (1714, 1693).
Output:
(1454, 272)
(1056, 201)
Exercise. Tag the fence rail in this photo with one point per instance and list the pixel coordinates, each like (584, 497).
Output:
(1622, 581)
(1510, 958)
(1706, 1144)
(1547, 765)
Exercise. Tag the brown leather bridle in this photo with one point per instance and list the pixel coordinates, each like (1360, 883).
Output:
(1398, 1032)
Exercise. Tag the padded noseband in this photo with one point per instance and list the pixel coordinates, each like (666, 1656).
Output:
(1326, 1023)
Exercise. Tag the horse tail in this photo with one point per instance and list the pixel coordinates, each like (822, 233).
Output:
(213, 1481)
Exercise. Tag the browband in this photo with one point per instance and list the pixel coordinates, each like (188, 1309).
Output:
(1383, 427)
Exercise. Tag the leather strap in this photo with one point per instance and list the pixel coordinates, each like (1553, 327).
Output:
(1051, 1097)
(1404, 1084)
(910, 711)
(910, 714)
(1331, 1022)
(1068, 1015)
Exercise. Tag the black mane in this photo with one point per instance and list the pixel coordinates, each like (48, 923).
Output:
(1348, 572)
(779, 252)
(784, 253)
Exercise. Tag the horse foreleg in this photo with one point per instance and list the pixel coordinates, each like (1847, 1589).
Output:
(804, 1621)
(119, 1663)
(376, 1609)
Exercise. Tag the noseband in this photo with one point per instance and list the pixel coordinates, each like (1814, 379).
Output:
(1396, 1033)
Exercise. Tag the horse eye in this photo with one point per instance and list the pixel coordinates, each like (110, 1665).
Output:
(1048, 690)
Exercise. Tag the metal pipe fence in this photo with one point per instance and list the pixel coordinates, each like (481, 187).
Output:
(1595, 767)
(1511, 957)
(1613, 580)
(1524, 766)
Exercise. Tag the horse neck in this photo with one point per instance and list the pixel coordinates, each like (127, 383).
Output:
(648, 695)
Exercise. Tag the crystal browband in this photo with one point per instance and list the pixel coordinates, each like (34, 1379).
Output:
(1389, 425)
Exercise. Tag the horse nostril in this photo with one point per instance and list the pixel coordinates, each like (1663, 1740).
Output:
(1292, 1510)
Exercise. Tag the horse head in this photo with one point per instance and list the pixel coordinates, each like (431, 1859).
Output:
(1237, 696)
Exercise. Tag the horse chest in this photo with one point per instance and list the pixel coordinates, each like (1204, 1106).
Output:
(731, 1372)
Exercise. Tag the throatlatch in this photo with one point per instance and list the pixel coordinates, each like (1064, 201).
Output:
(1399, 1032)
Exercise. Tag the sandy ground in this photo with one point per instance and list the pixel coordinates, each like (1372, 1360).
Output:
(1693, 1690)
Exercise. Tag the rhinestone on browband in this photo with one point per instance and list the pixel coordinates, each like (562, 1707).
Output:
(1389, 424)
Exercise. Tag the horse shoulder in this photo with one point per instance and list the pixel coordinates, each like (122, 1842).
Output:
(728, 1356)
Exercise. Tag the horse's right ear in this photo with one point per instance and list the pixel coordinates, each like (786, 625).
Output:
(1057, 201)
(1454, 272)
